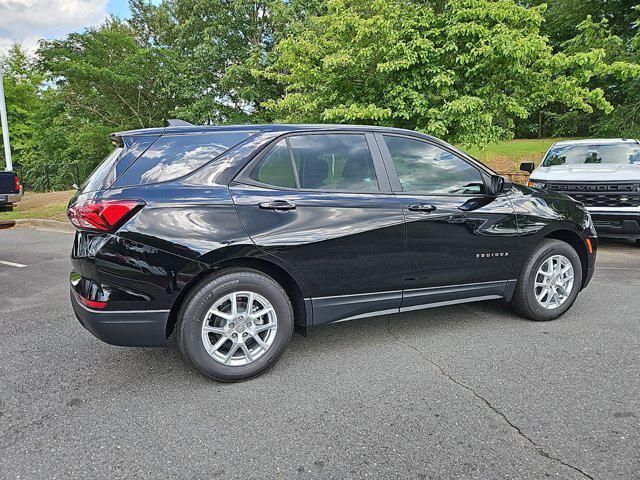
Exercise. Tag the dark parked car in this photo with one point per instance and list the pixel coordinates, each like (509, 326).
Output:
(10, 190)
(231, 237)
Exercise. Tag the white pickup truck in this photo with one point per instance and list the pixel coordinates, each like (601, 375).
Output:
(603, 174)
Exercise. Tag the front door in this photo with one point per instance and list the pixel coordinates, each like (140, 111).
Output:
(321, 202)
(460, 240)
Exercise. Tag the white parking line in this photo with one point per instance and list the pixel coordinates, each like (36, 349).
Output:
(616, 268)
(11, 264)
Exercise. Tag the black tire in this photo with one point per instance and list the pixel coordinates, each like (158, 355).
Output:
(524, 301)
(637, 242)
(204, 295)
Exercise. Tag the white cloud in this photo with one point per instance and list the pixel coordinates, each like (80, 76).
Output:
(27, 21)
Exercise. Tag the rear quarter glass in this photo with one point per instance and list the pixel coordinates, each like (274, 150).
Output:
(98, 178)
(173, 156)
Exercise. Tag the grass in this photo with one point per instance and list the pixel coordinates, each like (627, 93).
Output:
(504, 157)
(508, 154)
(47, 205)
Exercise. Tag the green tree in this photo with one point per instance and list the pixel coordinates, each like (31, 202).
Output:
(99, 81)
(106, 75)
(21, 84)
(466, 73)
(219, 44)
(563, 17)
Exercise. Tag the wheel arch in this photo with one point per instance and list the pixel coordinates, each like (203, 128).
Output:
(576, 242)
(284, 278)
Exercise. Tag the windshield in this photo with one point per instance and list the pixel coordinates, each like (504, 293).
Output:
(620, 153)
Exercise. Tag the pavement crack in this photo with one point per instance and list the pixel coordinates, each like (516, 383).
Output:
(539, 448)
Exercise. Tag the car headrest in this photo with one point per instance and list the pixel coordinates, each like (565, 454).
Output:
(356, 168)
(314, 172)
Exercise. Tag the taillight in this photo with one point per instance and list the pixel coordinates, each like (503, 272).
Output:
(16, 183)
(102, 215)
(91, 303)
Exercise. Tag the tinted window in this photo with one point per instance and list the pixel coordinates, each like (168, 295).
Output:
(423, 167)
(173, 156)
(621, 153)
(276, 168)
(334, 162)
(98, 178)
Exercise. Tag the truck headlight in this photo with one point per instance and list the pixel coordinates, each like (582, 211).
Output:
(536, 184)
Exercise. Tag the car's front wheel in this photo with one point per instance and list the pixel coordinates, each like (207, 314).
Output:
(235, 324)
(549, 281)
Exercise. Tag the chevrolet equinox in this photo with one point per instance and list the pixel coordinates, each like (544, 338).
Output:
(229, 238)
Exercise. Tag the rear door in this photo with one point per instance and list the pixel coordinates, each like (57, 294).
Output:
(322, 202)
(460, 240)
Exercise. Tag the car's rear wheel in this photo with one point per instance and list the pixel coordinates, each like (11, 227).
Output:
(235, 324)
(549, 281)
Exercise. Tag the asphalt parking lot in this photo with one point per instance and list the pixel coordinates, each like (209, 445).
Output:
(470, 391)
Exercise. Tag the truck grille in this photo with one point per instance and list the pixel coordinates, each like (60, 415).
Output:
(601, 194)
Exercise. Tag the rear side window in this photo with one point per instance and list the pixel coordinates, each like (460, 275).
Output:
(340, 162)
(174, 156)
(334, 162)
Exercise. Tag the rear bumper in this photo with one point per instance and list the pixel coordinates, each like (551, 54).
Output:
(617, 224)
(141, 328)
(10, 199)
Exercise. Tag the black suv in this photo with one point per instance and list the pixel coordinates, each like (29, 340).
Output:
(231, 237)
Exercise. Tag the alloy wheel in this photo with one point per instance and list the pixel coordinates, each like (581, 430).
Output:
(554, 281)
(239, 328)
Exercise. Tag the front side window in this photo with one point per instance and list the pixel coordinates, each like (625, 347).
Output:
(426, 168)
(340, 162)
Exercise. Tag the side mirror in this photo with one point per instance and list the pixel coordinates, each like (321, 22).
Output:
(527, 167)
(499, 184)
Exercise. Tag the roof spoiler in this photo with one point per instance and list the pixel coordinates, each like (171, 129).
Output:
(176, 122)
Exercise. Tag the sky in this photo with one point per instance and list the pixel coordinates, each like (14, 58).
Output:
(27, 21)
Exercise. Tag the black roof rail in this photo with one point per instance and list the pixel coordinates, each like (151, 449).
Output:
(176, 122)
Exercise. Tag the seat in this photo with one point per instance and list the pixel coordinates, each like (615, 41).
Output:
(358, 175)
(313, 172)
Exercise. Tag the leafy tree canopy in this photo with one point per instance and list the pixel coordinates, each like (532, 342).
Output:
(465, 73)
(470, 71)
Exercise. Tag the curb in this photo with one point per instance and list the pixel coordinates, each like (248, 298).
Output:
(42, 224)
(7, 224)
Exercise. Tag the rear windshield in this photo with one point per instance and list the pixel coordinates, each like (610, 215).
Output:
(173, 156)
(98, 178)
(620, 153)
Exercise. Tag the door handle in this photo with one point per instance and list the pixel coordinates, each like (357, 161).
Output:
(422, 207)
(278, 205)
